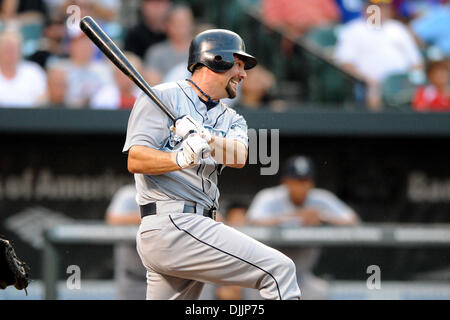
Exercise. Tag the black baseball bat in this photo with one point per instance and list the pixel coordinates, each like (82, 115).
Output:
(110, 49)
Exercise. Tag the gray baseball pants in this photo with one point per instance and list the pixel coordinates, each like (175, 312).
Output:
(182, 251)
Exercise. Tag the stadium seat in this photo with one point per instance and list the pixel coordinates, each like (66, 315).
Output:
(324, 36)
(31, 34)
(397, 91)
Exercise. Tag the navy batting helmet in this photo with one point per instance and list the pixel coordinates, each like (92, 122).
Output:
(216, 48)
(299, 167)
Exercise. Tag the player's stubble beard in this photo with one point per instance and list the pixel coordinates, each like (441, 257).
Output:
(232, 91)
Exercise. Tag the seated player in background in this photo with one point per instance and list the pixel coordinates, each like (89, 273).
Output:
(296, 202)
(129, 273)
(436, 95)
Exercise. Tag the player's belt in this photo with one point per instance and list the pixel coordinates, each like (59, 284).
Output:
(150, 209)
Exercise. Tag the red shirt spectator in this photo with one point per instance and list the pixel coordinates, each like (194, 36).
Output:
(296, 17)
(428, 98)
(435, 96)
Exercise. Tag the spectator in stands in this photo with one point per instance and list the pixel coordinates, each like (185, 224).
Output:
(129, 272)
(375, 52)
(432, 26)
(150, 29)
(436, 95)
(256, 90)
(296, 202)
(24, 11)
(22, 83)
(85, 76)
(105, 13)
(56, 94)
(55, 8)
(294, 17)
(180, 71)
(161, 57)
(122, 93)
(51, 44)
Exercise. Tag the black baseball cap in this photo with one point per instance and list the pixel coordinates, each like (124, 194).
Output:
(298, 167)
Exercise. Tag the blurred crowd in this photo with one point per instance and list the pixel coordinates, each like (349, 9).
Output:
(398, 46)
(45, 61)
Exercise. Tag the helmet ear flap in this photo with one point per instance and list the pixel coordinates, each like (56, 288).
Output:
(221, 62)
(218, 61)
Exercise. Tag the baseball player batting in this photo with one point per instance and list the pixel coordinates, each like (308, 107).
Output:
(179, 242)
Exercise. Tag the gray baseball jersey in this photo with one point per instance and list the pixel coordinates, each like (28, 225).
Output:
(272, 202)
(148, 126)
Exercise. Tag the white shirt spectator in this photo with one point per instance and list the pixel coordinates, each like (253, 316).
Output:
(25, 89)
(377, 52)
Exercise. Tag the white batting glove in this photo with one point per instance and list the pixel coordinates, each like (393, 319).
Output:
(186, 125)
(194, 148)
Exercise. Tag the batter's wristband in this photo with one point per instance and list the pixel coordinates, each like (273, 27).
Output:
(176, 160)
